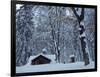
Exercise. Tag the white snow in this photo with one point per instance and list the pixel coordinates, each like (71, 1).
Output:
(53, 67)
(79, 28)
(67, 12)
(82, 35)
(82, 23)
(18, 6)
(44, 49)
(72, 55)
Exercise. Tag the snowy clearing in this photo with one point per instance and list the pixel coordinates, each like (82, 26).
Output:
(53, 67)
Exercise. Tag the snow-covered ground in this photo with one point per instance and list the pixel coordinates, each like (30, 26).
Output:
(53, 67)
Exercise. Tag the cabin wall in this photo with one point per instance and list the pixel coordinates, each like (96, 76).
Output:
(40, 60)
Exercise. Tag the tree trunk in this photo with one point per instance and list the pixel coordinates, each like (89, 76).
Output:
(82, 35)
(55, 31)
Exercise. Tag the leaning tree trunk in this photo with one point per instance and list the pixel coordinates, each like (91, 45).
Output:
(82, 35)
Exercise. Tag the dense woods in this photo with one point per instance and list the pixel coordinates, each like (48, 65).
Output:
(63, 31)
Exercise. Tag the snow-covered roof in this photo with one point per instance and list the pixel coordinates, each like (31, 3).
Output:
(51, 57)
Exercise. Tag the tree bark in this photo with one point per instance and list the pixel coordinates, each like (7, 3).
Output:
(55, 31)
(82, 38)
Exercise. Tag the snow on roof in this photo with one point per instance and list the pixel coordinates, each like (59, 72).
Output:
(51, 57)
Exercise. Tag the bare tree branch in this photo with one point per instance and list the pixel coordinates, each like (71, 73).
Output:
(82, 15)
(74, 11)
(79, 17)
